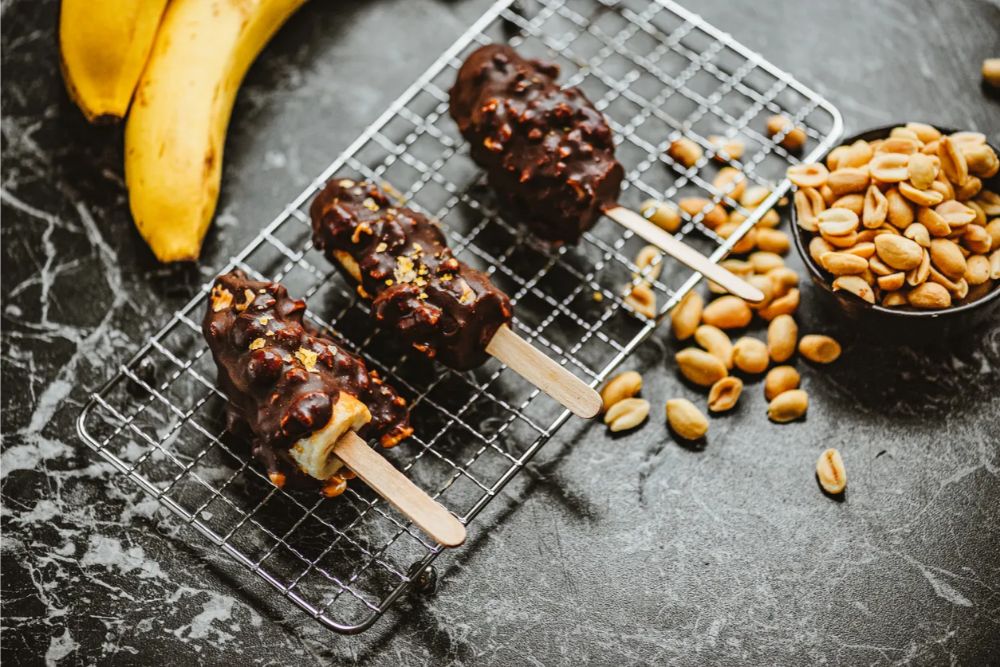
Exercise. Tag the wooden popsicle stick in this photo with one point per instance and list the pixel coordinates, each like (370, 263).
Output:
(401, 493)
(537, 368)
(685, 254)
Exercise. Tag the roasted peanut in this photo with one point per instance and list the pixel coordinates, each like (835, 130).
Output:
(846, 180)
(899, 212)
(726, 148)
(731, 182)
(779, 380)
(642, 299)
(991, 72)
(922, 170)
(791, 137)
(891, 282)
(750, 355)
(830, 472)
(773, 240)
(924, 132)
(953, 162)
(649, 262)
(856, 285)
(662, 214)
(875, 208)
(782, 337)
(788, 406)
(837, 222)
(622, 386)
(948, 259)
(808, 205)
(724, 394)
(685, 419)
(898, 252)
(763, 261)
(812, 175)
(716, 342)
(782, 279)
(819, 247)
(711, 214)
(727, 312)
(819, 349)
(685, 152)
(783, 305)
(686, 315)
(754, 196)
(977, 270)
(918, 234)
(626, 414)
(746, 243)
(889, 167)
(700, 367)
(955, 213)
(843, 263)
(929, 295)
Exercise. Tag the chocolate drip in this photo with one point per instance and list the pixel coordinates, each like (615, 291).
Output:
(283, 379)
(440, 306)
(548, 153)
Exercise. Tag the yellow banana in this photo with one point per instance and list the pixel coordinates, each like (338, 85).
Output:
(177, 126)
(104, 45)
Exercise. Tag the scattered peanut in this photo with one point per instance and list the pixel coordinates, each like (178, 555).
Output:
(791, 137)
(622, 386)
(779, 380)
(750, 355)
(642, 299)
(662, 214)
(685, 419)
(782, 336)
(820, 349)
(686, 315)
(716, 342)
(788, 406)
(727, 312)
(724, 394)
(626, 414)
(700, 367)
(685, 151)
(830, 472)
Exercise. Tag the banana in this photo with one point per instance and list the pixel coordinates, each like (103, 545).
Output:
(104, 45)
(176, 128)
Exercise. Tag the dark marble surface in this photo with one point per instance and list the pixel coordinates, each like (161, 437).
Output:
(626, 550)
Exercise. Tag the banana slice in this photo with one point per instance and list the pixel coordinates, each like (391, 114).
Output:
(314, 453)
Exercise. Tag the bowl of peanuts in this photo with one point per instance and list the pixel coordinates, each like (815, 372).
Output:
(899, 227)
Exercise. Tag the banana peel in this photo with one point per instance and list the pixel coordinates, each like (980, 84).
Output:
(104, 45)
(176, 129)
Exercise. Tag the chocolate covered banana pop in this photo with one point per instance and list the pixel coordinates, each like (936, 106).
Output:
(437, 304)
(296, 392)
(548, 153)
(421, 291)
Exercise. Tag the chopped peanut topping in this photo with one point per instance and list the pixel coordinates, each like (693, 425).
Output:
(257, 344)
(363, 228)
(381, 247)
(221, 298)
(308, 358)
(345, 183)
(404, 269)
(249, 296)
(370, 204)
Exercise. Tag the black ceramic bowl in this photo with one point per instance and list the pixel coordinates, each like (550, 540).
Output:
(897, 324)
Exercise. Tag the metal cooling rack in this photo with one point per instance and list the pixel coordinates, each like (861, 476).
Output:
(658, 72)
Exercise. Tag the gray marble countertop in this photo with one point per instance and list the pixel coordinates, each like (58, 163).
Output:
(726, 555)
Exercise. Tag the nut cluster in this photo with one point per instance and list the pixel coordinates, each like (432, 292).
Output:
(904, 221)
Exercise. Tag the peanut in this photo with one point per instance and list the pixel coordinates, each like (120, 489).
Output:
(929, 295)
(773, 240)
(726, 148)
(727, 312)
(661, 214)
(953, 162)
(875, 208)
(716, 342)
(843, 263)
(779, 380)
(750, 355)
(782, 336)
(685, 152)
(700, 367)
(846, 180)
(686, 315)
(783, 305)
(898, 252)
(830, 472)
(788, 406)
(622, 386)
(948, 258)
(812, 175)
(685, 419)
(791, 137)
(649, 262)
(856, 285)
(889, 167)
(724, 394)
(731, 182)
(819, 349)
(991, 72)
(922, 170)
(626, 414)
(899, 212)
(808, 205)
(642, 299)
(763, 261)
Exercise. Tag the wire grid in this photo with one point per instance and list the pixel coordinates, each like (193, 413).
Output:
(658, 73)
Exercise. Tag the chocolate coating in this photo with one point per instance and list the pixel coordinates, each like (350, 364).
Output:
(282, 379)
(440, 306)
(548, 153)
